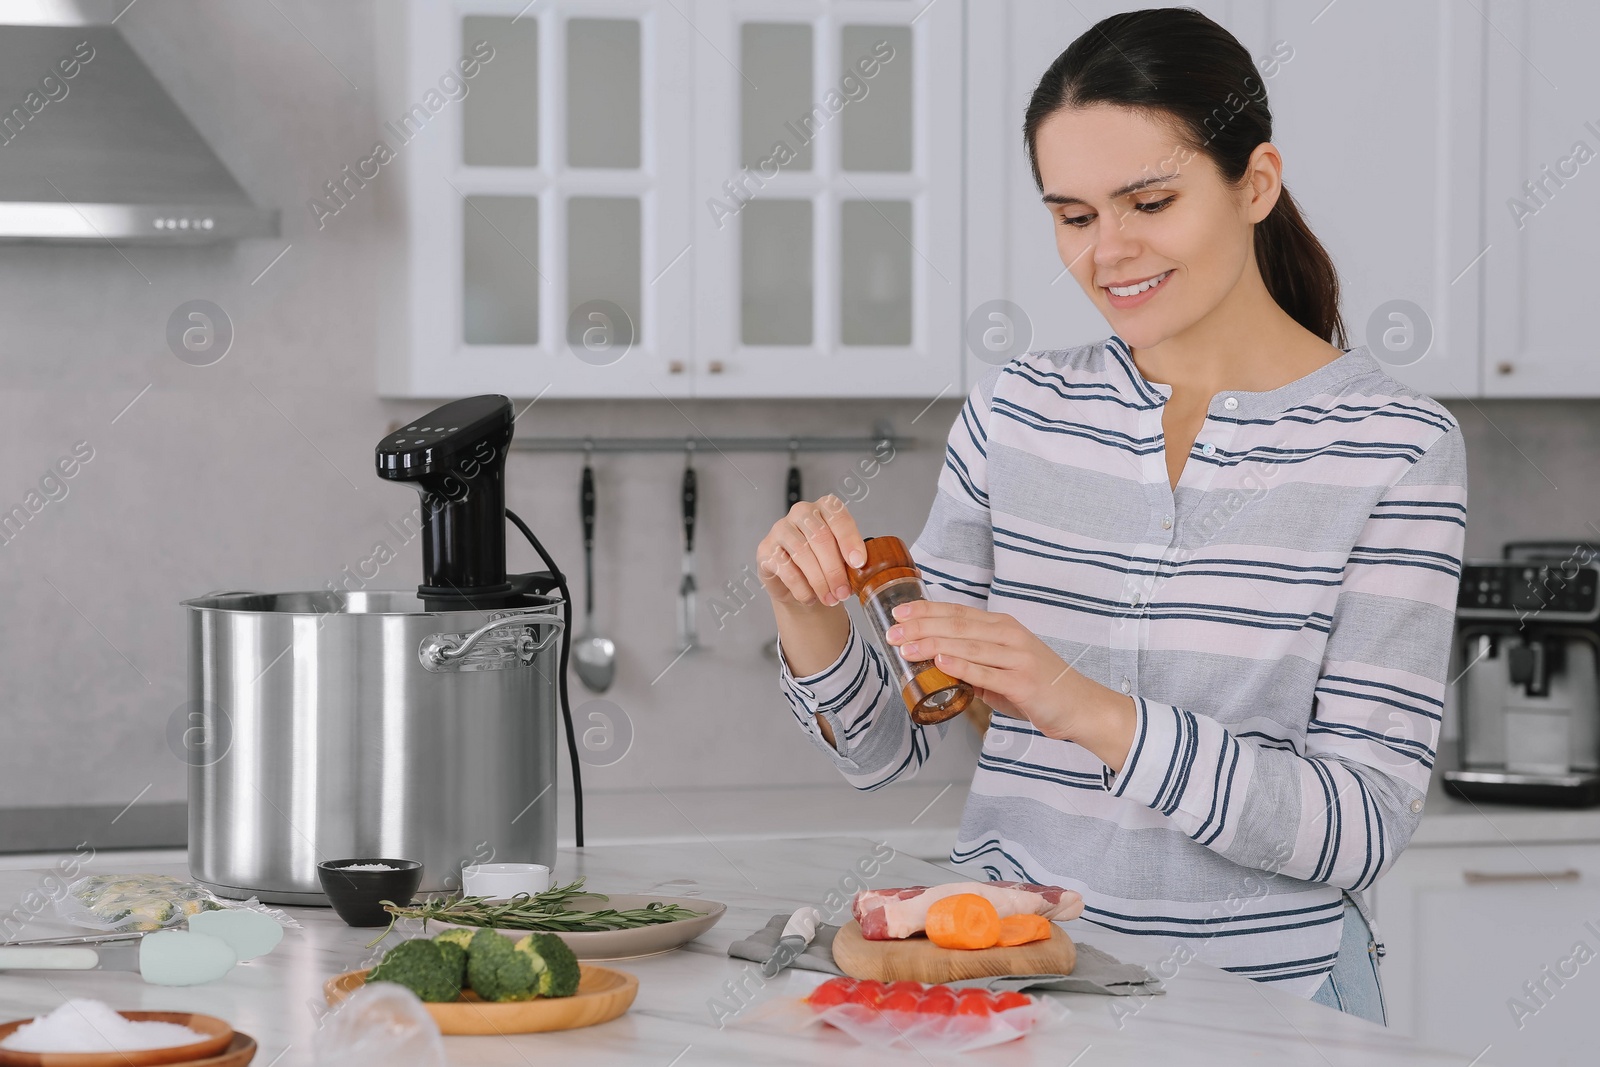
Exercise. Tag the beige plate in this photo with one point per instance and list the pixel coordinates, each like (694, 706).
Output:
(637, 941)
(603, 994)
(218, 1037)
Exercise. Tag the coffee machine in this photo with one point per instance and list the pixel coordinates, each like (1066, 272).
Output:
(1528, 686)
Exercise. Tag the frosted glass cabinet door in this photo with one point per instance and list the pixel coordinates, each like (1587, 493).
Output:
(828, 202)
(875, 130)
(874, 272)
(548, 203)
(622, 159)
(500, 113)
(776, 93)
(603, 263)
(500, 284)
(603, 93)
(776, 272)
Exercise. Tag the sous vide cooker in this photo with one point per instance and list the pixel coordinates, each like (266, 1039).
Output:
(411, 723)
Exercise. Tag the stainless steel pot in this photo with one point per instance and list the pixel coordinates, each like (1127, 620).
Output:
(329, 725)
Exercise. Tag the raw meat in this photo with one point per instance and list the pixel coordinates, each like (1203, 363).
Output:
(888, 914)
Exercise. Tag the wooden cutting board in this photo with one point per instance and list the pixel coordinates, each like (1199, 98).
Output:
(920, 960)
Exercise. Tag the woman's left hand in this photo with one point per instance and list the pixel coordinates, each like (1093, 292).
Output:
(1013, 671)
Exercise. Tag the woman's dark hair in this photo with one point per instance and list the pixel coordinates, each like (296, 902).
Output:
(1180, 67)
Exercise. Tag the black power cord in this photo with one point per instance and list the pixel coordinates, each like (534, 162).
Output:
(566, 649)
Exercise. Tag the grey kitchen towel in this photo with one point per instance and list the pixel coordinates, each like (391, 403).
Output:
(759, 946)
(1095, 971)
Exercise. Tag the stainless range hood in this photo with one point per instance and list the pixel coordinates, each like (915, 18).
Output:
(93, 149)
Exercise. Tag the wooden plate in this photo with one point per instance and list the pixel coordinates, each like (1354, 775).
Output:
(241, 1052)
(636, 941)
(920, 960)
(603, 994)
(219, 1035)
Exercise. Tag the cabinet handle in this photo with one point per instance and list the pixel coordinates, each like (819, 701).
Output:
(675, 367)
(1504, 368)
(715, 366)
(1500, 877)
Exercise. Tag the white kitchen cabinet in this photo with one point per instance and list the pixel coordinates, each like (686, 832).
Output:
(1470, 930)
(592, 218)
(543, 210)
(827, 253)
(1377, 112)
(1541, 199)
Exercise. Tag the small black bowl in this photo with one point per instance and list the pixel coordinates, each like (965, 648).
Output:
(356, 895)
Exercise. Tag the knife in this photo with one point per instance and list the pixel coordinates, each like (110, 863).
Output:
(95, 952)
(797, 934)
(686, 587)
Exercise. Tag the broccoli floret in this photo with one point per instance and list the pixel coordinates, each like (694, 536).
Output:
(456, 936)
(453, 943)
(497, 970)
(421, 967)
(455, 961)
(554, 961)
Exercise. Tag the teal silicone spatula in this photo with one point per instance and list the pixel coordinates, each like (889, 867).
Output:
(161, 957)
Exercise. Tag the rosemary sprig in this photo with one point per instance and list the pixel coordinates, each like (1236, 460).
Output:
(550, 911)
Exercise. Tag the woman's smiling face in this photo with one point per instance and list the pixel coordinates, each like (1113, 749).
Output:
(1131, 206)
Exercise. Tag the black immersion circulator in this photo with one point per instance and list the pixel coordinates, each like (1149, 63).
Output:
(455, 456)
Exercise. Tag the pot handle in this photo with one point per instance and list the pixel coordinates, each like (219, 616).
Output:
(443, 652)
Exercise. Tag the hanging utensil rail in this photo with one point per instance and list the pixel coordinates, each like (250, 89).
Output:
(883, 433)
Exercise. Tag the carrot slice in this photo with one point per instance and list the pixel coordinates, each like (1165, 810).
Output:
(964, 920)
(1021, 929)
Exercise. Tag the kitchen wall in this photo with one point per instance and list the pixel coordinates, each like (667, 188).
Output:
(255, 472)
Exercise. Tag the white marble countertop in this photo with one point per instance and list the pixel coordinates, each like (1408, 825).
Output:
(1206, 1017)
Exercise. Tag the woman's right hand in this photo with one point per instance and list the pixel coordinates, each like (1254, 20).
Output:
(802, 560)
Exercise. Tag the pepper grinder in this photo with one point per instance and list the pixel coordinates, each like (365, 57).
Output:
(888, 578)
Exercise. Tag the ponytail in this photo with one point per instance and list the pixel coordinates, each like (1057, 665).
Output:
(1298, 271)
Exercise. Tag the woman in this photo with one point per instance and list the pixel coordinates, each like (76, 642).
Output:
(1204, 571)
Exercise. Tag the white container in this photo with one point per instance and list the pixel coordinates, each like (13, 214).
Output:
(501, 881)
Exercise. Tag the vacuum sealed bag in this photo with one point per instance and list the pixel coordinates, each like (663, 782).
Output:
(908, 1015)
(123, 903)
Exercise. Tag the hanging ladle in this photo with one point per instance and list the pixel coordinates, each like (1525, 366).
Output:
(595, 656)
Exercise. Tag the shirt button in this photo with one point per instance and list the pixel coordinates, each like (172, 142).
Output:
(1416, 805)
(1127, 686)
(1208, 449)
(1166, 522)
(1231, 403)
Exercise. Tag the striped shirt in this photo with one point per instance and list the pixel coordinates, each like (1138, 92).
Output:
(1282, 621)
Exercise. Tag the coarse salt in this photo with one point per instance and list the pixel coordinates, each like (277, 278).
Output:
(369, 867)
(92, 1026)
